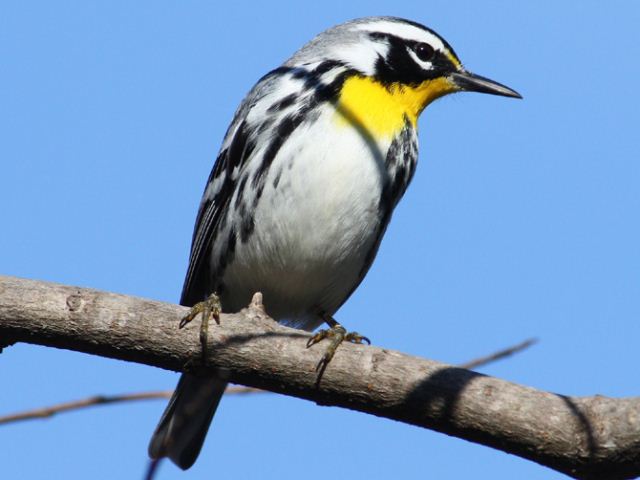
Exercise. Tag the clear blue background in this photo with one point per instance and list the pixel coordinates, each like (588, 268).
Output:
(522, 219)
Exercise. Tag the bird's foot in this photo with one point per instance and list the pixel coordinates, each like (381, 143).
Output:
(209, 308)
(335, 334)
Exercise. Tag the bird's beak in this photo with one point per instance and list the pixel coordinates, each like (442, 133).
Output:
(469, 82)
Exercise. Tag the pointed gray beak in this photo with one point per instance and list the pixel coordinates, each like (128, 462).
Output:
(469, 82)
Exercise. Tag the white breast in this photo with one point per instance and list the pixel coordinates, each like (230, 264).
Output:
(316, 221)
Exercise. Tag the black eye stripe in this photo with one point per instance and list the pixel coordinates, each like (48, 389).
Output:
(403, 62)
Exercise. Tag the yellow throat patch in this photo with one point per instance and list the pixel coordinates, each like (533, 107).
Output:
(380, 110)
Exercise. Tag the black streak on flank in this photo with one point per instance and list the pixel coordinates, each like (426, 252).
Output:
(398, 184)
(231, 243)
(276, 180)
(232, 159)
(283, 131)
(247, 222)
(227, 254)
(240, 190)
(240, 149)
(247, 227)
(400, 163)
(410, 160)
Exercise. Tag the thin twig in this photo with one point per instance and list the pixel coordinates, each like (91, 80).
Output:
(499, 355)
(50, 411)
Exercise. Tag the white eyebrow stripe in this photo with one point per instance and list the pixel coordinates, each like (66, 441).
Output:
(404, 30)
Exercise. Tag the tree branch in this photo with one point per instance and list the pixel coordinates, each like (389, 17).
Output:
(584, 437)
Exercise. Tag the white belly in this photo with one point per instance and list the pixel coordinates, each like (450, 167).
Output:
(314, 230)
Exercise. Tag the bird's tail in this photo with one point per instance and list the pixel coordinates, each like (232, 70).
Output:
(185, 422)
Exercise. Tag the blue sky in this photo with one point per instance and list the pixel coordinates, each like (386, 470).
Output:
(522, 219)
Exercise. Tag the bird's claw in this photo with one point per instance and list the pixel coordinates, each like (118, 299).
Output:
(209, 308)
(355, 337)
(336, 335)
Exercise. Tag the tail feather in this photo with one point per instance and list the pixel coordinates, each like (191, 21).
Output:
(185, 422)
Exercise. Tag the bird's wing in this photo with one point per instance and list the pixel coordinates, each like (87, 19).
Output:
(237, 147)
(199, 281)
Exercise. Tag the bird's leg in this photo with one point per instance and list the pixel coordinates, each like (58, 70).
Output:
(211, 307)
(336, 334)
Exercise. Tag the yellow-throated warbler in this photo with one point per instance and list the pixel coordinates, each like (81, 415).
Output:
(316, 158)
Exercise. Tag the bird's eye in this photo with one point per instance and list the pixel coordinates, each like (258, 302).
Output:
(424, 51)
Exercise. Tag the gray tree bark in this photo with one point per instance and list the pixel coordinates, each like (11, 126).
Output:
(583, 437)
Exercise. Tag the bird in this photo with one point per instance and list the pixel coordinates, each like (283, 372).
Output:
(316, 158)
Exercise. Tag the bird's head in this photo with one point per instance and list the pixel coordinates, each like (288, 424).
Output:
(409, 60)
